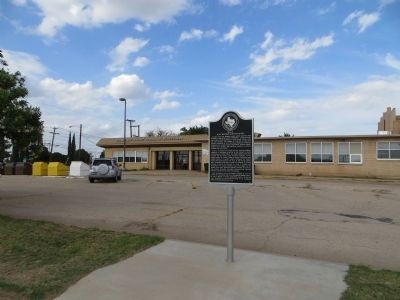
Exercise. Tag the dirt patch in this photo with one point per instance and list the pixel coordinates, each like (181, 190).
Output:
(332, 217)
(142, 225)
(381, 191)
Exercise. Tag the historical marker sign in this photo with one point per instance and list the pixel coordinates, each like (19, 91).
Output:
(231, 150)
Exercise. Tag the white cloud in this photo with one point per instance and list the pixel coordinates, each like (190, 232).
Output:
(236, 80)
(165, 100)
(269, 3)
(392, 62)
(278, 56)
(120, 54)
(330, 8)
(19, 2)
(142, 27)
(166, 104)
(29, 65)
(383, 3)
(167, 49)
(363, 20)
(165, 94)
(232, 34)
(89, 13)
(141, 61)
(71, 95)
(230, 2)
(130, 87)
(197, 34)
(358, 106)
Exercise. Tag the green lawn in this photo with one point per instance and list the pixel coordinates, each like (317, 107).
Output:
(367, 284)
(39, 260)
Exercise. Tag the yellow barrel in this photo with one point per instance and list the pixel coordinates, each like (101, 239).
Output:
(57, 169)
(39, 168)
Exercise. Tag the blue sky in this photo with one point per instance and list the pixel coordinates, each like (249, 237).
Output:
(297, 66)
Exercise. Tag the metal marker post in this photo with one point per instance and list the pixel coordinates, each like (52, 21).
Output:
(230, 201)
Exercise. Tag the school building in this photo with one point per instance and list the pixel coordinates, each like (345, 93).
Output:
(375, 155)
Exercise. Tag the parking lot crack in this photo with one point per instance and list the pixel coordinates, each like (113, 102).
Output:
(150, 224)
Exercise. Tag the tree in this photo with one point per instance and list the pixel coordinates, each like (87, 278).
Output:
(69, 153)
(73, 148)
(160, 132)
(84, 156)
(44, 155)
(286, 134)
(58, 157)
(194, 130)
(20, 124)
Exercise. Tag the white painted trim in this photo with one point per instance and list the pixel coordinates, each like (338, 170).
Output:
(350, 163)
(376, 150)
(321, 162)
(295, 153)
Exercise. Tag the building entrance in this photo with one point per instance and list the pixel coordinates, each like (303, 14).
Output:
(196, 160)
(162, 161)
(181, 160)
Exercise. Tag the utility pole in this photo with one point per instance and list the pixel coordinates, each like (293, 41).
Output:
(138, 129)
(52, 140)
(130, 125)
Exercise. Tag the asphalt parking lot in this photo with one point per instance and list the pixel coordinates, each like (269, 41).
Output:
(338, 220)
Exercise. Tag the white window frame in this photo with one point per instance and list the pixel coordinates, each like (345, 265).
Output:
(142, 162)
(133, 152)
(322, 162)
(385, 149)
(350, 155)
(295, 153)
(262, 152)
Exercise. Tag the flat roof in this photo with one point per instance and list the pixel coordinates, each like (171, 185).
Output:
(197, 139)
(319, 137)
(154, 140)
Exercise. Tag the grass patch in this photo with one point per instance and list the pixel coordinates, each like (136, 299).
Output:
(39, 260)
(365, 283)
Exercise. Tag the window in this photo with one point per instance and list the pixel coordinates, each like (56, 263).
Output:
(388, 150)
(296, 152)
(118, 155)
(262, 152)
(130, 156)
(141, 156)
(321, 152)
(350, 153)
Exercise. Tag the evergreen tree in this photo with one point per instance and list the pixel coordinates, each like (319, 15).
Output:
(69, 146)
(73, 148)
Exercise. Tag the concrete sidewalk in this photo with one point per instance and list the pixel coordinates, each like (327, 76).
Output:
(181, 270)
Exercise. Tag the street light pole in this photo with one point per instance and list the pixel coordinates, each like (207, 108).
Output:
(124, 100)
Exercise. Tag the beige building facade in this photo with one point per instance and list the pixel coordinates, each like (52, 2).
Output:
(343, 156)
(389, 122)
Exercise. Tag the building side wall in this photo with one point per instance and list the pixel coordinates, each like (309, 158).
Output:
(387, 121)
(396, 126)
(370, 166)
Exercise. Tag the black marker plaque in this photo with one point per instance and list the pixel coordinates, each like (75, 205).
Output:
(231, 150)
